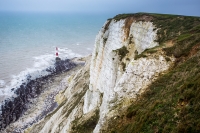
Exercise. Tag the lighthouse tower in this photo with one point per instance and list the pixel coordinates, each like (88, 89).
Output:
(56, 51)
(57, 57)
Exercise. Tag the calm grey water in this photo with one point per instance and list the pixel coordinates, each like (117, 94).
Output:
(28, 41)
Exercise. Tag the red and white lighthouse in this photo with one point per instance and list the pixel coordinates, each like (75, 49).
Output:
(57, 57)
(56, 51)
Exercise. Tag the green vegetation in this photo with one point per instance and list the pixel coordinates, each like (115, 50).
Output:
(105, 40)
(107, 25)
(144, 53)
(183, 30)
(135, 15)
(86, 126)
(123, 66)
(127, 59)
(171, 103)
(171, 26)
(183, 46)
(184, 37)
(96, 54)
(122, 52)
(122, 16)
(151, 51)
(167, 59)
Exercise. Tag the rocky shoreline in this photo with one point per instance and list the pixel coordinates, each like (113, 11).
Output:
(17, 106)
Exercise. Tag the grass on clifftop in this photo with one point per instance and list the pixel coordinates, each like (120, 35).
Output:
(169, 26)
(173, 27)
(171, 103)
(184, 31)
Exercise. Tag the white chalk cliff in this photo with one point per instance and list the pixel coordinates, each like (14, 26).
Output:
(113, 78)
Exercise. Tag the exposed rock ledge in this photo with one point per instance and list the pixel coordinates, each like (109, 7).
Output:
(114, 79)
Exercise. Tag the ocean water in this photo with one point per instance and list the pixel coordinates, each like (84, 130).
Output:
(28, 42)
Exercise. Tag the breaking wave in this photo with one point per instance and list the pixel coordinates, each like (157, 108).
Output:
(40, 65)
(29, 83)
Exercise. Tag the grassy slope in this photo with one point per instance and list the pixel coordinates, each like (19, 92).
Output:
(171, 103)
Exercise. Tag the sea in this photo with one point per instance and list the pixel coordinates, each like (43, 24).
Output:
(28, 43)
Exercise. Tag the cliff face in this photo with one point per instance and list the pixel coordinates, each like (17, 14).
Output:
(115, 76)
(128, 57)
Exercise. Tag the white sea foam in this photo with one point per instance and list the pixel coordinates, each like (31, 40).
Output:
(2, 83)
(38, 70)
(89, 49)
(67, 53)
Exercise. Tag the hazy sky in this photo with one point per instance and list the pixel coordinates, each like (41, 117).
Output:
(184, 7)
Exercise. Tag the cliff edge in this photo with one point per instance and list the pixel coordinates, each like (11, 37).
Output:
(143, 76)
